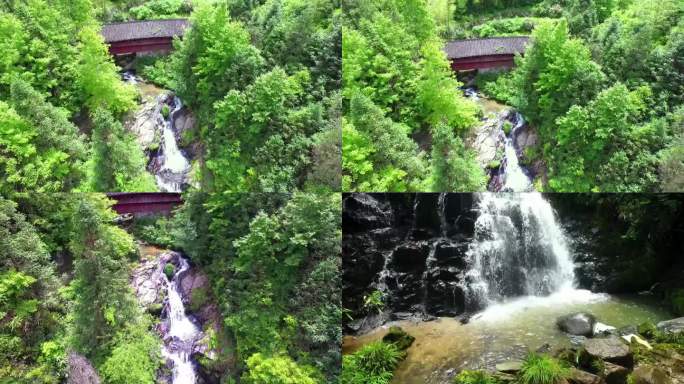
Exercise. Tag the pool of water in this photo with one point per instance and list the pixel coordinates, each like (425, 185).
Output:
(503, 331)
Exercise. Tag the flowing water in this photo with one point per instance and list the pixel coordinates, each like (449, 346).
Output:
(169, 163)
(519, 249)
(175, 166)
(520, 274)
(182, 332)
(510, 176)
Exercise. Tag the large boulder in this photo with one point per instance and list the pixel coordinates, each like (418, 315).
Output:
(611, 349)
(578, 376)
(615, 374)
(399, 338)
(648, 374)
(672, 326)
(80, 370)
(363, 211)
(579, 324)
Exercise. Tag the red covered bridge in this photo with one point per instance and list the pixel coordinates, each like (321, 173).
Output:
(497, 52)
(143, 36)
(145, 202)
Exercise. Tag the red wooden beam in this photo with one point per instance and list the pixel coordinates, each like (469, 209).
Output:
(156, 44)
(482, 62)
(152, 202)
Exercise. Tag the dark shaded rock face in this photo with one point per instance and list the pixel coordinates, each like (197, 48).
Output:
(81, 371)
(411, 247)
(579, 324)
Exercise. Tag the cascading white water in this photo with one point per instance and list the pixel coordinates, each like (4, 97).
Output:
(175, 166)
(514, 178)
(182, 332)
(518, 250)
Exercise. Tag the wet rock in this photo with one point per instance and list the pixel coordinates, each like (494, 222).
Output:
(526, 137)
(80, 370)
(672, 326)
(578, 376)
(399, 338)
(196, 290)
(410, 257)
(148, 283)
(511, 366)
(185, 121)
(648, 374)
(363, 212)
(427, 213)
(611, 349)
(615, 374)
(579, 324)
(144, 124)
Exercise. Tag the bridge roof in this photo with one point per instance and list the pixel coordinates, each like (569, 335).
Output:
(508, 45)
(136, 30)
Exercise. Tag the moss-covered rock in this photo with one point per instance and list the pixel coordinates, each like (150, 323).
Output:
(169, 270)
(399, 338)
(155, 309)
(647, 330)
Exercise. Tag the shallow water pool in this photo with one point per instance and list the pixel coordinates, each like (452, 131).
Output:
(503, 331)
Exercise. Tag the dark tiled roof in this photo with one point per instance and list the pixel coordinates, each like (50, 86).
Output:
(481, 47)
(134, 30)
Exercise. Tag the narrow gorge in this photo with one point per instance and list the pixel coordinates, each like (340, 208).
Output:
(159, 125)
(178, 296)
(501, 139)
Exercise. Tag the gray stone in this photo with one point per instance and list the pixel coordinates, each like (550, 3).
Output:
(580, 324)
(648, 374)
(614, 373)
(511, 366)
(611, 349)
(80, 370)
(671, 326)
(578, 376)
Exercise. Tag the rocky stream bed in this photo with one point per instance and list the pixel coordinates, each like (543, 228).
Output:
(179, 296)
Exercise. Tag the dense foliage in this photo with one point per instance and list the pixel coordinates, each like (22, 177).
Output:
(266, 94)
(398, 86)
(89, 310)
(603, 88)
(273, 260)
(56, 74)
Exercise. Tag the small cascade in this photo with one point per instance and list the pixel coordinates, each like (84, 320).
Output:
(510, 175)
(518, 249)
(173, 171)
(182, 332)
(515, 178)
(169, 164)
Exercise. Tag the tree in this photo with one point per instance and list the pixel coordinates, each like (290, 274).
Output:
(117, 162)
(454, 168)
(214, 57)
(555, 73)
(98, 79)
(601, 147)
(103, 303)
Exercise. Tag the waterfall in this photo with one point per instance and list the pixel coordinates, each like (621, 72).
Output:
(514, 177)
(518, 249)
(175, 166)
(182, 332)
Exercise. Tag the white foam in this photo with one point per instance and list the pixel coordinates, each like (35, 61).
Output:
(564, 297)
